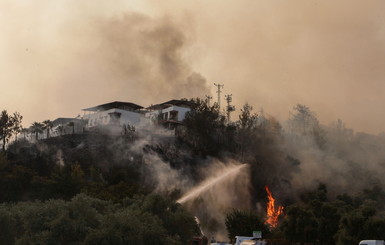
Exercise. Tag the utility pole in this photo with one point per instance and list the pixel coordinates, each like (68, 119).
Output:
(208, 98)
(230, 108)
(219, 94)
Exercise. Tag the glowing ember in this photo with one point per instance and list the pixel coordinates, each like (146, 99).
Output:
(272, 212)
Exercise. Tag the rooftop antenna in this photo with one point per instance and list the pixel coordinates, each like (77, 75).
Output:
(230, 108)
(208, 98)
(219, 93)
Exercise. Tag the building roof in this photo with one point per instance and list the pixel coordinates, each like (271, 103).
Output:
(128, 106)
(182, 103)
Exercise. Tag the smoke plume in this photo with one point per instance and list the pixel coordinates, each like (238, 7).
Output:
(145, 58)
(83, 54)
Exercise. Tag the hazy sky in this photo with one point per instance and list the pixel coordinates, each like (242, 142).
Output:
(57, 57)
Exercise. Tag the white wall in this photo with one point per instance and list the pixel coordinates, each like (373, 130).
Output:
(181, 111)
(136, 119)
(104, 118)
(153, 115)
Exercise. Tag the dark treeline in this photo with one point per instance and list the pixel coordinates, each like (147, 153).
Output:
(328, 178)
(152, 219)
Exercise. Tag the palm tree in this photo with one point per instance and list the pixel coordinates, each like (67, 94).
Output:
(37, 128)
(24, 131)
(47, 125)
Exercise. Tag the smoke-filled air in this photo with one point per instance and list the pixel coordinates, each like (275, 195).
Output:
(294, 149)
(272, 54)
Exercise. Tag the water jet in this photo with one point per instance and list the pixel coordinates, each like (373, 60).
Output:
(210, 182)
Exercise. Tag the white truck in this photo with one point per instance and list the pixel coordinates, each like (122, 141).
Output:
(372, 242)
(246, 240)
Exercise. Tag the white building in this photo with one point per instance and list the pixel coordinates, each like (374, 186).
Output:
(63, 125)
(113, 116)
(170, 113)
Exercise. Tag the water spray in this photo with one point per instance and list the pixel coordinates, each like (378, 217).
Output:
(210, 182)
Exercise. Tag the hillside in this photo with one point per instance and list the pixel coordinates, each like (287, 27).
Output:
(328, 179)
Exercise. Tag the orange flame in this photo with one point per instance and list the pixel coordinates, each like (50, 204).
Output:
(272, 212)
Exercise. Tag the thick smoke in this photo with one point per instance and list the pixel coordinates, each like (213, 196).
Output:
(227, 182)
(271, 53)
(291, 160)
(346, 162)
(84, 54)
(146, 59)
(324, 54)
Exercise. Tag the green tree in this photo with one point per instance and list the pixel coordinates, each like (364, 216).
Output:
(47, 125)
(127, 226)
(247, 127)
(37, 128)
(177, 221)
(247, 120)
(67, 181)
(16, 120)
(129, 132)
(205, 127)
(243, 223)
(9, 125)
(361, 223)
(299, 225)
(14, 182)
(316, 219)
(56, 221)
(24, 131)
(328, 218)
(7, 226)
(304, 122)
(87, 220)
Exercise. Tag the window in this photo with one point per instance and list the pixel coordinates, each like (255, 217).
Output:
(174, 115)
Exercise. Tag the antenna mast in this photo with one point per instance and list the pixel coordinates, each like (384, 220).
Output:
(219, 94)
(230, 108)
